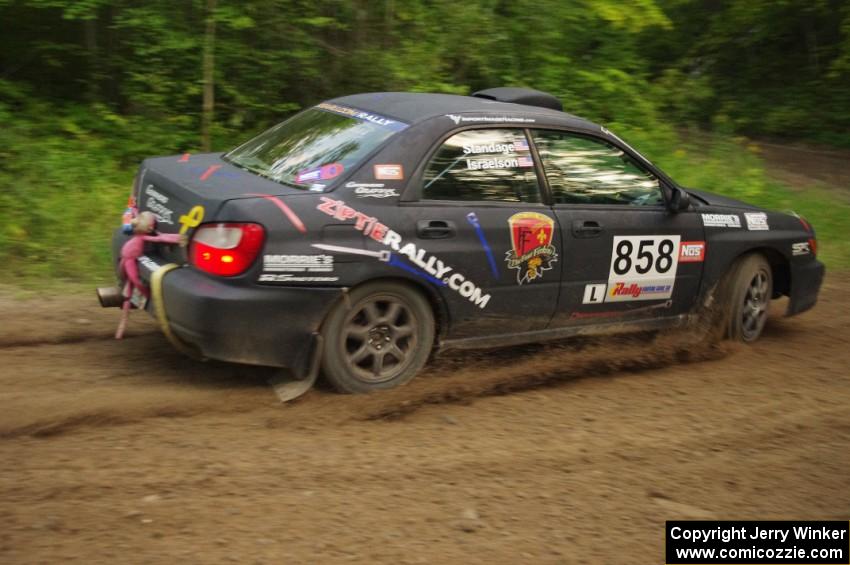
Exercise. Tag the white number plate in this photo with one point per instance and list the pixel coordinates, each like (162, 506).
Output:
(642, 268)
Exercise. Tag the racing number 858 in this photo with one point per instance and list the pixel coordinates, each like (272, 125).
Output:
(645, 259)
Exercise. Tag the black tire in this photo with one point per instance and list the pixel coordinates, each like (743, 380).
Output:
(748, 289)
(380, 342)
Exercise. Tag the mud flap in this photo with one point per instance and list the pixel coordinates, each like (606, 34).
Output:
(287, 388)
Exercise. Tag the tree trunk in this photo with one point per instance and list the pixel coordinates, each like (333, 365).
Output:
(94, 71)
(208, 65)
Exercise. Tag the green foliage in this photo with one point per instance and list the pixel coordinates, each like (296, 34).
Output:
(61, 185)
(760, 67)
(90, 87)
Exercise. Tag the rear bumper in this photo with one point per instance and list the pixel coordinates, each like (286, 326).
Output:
(805, 285)
(236, 319)
(232, 321)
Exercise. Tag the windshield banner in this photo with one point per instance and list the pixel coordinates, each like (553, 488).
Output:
(376, 119)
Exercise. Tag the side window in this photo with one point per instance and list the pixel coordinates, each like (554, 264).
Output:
(581, 170)
(482, 165)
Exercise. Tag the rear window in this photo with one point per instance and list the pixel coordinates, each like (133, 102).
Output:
(316, 146)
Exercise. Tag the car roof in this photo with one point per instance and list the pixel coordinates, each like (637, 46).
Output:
(413, 107)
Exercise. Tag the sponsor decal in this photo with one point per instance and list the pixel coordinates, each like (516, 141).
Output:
(148, 263)
(472, 218)
(298, 263)
(156, 203)
(636, 291)
(384, 256)
(692, 252)
(643, 267)
(376, 119)
(594, 293)
(457, 119)
(206, 172)
(497, 163)
(532, 250)
(801, 248)
(389, 172)
(505, 148)
(435, 269)
(286, 278)
(325, 172)
(209, 172)
(193, 219)
(156, 195)
(363, 192)
(756, 221)
(721, 220)
(371, 190)
(286, 210)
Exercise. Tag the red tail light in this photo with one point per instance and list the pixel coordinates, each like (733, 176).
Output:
(226, 250)
(813, 245)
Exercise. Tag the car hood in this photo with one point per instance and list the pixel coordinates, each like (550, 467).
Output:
(712, 199)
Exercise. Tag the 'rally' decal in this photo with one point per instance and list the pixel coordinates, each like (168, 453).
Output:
(424, 263)
(376, 119)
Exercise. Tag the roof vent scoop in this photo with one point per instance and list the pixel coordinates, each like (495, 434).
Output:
(527, 96)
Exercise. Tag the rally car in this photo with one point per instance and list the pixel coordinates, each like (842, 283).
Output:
(365, 233)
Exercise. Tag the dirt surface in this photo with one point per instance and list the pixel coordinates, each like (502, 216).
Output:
(802, 167)
(572, 453)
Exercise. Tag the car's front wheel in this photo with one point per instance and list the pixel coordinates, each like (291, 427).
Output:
(377, 339)
(749, 289)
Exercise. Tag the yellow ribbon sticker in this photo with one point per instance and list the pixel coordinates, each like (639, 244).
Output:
(193, 219)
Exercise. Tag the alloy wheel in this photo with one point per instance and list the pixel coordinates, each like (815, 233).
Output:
(379, 337)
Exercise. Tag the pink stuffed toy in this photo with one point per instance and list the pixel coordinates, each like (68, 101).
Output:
(143, 229)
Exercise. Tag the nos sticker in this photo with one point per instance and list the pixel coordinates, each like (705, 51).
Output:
(643, 268)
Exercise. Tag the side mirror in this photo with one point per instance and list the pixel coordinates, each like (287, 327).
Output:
(679, 200)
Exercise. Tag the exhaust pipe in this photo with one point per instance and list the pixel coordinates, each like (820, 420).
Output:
(110, 296)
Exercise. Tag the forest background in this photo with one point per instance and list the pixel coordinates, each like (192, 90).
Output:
(88, 88)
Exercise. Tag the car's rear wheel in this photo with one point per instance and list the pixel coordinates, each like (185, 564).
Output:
(381, 341)
(749, 289)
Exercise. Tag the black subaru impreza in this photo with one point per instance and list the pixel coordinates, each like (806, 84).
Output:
(363, 234)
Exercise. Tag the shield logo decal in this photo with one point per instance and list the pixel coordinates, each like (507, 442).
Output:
(532, 250)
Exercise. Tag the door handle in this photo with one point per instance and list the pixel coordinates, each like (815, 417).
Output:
(586, 228)
(435, 229)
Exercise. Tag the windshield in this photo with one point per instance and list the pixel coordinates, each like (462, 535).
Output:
(316, 146)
